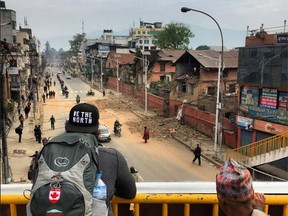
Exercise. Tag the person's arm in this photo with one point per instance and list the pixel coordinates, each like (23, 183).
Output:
(258, 201)
(125, 183)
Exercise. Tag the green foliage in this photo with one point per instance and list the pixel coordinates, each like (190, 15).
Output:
(203, 47)
(174, 36)
(10, 106)
(75, 44)
(157, 87)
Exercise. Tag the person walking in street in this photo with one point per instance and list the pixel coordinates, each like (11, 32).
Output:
(197, 154)
(146, 134)
(115, 171)
(235, 193)
(43, 98)
(52, 120)
(27, 110)
(21, 119)
(19, 131)
(104, 93)
(38, 134)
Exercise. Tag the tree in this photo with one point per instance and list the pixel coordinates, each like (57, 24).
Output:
(48, 53)
(203, 47)
(174, 36)
(75, 44)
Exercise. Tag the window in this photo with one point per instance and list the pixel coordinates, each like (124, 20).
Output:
(232, 88)
(211, 91)
(146, 41)
(225, 72)
(140, 42)
(162, 66)
(143, 32)
(146, 47)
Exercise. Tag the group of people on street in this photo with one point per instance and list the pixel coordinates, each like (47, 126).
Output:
(235, 192)
(38, 133)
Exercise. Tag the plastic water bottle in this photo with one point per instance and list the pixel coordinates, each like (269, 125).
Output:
(100, 189)
(99, 206)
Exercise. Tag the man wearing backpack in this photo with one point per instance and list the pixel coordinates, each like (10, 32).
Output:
(60, 167)
(19, 130)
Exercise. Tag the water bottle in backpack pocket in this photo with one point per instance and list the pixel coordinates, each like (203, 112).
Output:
(99, 197)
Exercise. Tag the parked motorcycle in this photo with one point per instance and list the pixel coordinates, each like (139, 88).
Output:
(118, 130)
(90, 93)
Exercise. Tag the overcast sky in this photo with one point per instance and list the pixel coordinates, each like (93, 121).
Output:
(54, 18)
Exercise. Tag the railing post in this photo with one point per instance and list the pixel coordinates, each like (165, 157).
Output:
(215, 209)
(164, 209)
(186, 209)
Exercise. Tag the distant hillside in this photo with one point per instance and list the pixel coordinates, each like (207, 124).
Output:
(203, 36)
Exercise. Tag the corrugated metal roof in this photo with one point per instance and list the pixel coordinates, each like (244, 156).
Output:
(170, 55)
(210, 58)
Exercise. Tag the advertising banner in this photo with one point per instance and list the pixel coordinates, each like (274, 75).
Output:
(283, 101)
(269, 98)
(13, 71)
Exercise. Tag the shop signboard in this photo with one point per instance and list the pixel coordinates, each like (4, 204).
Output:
(245, 123)
(283, 101)
(268, 98)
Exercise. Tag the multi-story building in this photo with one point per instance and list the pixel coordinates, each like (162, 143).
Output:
(263, 82)
(263, 91)
(143, 36)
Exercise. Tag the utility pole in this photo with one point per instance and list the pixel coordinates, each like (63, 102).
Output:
(3, 106)
(3, 114)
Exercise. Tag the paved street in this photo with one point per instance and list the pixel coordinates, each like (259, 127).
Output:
(159, 160)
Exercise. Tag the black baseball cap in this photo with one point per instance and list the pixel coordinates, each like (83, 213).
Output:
(83, 118)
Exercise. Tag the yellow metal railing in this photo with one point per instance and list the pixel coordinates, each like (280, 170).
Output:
(258, 148)
(164, 199)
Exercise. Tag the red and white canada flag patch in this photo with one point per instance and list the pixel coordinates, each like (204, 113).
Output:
(54, 195)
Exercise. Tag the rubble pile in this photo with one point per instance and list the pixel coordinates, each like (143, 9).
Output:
(159, 127)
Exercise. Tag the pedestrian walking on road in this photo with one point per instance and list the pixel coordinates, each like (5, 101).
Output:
(27, 110)
(43, 98)
(19, 131)
(104, 93)
(52, 120)
(146, 134)
(197, 153)
(38, 133)
(21, 119)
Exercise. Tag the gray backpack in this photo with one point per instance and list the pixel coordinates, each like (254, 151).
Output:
(65, 176)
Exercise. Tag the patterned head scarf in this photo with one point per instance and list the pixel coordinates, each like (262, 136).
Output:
(234, 182)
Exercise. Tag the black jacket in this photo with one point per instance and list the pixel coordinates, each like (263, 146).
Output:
(116, 175)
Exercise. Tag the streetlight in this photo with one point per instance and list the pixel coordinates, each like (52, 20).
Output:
(145, 64)
(220, 70)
